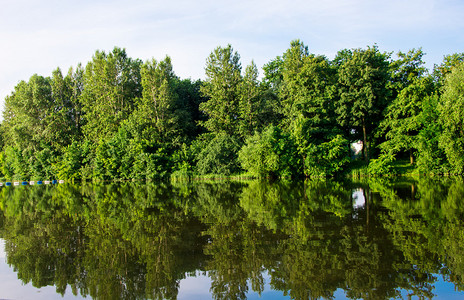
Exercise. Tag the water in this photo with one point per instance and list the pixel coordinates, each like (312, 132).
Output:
(375, 239)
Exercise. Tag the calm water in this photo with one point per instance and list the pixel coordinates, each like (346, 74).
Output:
(376, 239)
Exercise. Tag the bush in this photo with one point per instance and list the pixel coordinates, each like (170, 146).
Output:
(328, 158)
(381, 165)
(218, 155)
(269, 154)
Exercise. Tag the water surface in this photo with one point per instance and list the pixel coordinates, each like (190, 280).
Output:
(375, 239)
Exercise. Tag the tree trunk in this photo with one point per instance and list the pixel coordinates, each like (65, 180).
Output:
(411, 157)
(413, 192)
(365, 146)
(366, 194)
(304, 166)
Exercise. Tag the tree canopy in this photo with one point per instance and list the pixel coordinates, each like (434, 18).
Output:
(120, 118)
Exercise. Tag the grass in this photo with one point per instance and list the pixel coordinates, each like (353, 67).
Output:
(210, 177)
(404, 168)
(359, 168)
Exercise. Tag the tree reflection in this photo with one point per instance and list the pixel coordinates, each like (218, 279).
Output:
(138, 241)
(237, 249)
(430, 232)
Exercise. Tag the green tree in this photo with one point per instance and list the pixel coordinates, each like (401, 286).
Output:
(37, 124)
(155, 112)
(73, 160)
(431, 157)
(62, 127)
(448, 64)
(111, 85)
(406, 69)
(221, 87)
(402, 120)
(411, 86)
(188, 110)
(273, 74)
(362, 75)
(452, 119)
(218, 154)
(250, 102)
(27, 113)
(308, 89)
(76, 81)
(270, 153)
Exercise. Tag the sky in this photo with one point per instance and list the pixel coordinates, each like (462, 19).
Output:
(37, 36)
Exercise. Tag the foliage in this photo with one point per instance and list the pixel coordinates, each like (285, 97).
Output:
(430, 156)
(218, 155)
(308, 90)
(222, 90)
(120, 118)
(156, 116)
(111, 84)
(71, 162)
(362, 76)
(452, 119)
(250, 103)
(450, 61)
(328, 158)
(382, 165)
(403, 121)
(270, 153)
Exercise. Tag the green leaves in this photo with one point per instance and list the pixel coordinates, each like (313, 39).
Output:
(452, 118)
(155, 115)
(218, 155)
(111, 85)
(403, 122)
(362, 76)
(118, 115)
(222, 88)
(328, 158)
(269, 154)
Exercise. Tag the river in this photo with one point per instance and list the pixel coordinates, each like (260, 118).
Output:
(315, 239)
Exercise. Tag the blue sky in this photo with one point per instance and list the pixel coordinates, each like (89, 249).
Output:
(37, 36)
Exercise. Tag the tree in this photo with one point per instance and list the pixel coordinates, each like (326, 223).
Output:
(273, 74)
(218, 154)
(406, 69)
(188, 107)
(26, 113)
(223, 77)
(430, 156)
(111, 85)
(402, 121)
(62, 128)
(362, 76)
(449, 62)
(308, 89)
(308, 92)
(249, 102)
(270, 153)
(76, 78)
(452, 119)
(289, 92)
(155, 114)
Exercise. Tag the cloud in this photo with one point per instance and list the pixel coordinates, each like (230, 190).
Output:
(38, 36)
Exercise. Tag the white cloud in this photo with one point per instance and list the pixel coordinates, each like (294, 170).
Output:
(38, 36)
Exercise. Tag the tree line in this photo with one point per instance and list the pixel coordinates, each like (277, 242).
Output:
(121, 118)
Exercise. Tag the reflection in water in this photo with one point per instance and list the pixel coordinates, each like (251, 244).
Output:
(309, 240)
(358, 197)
